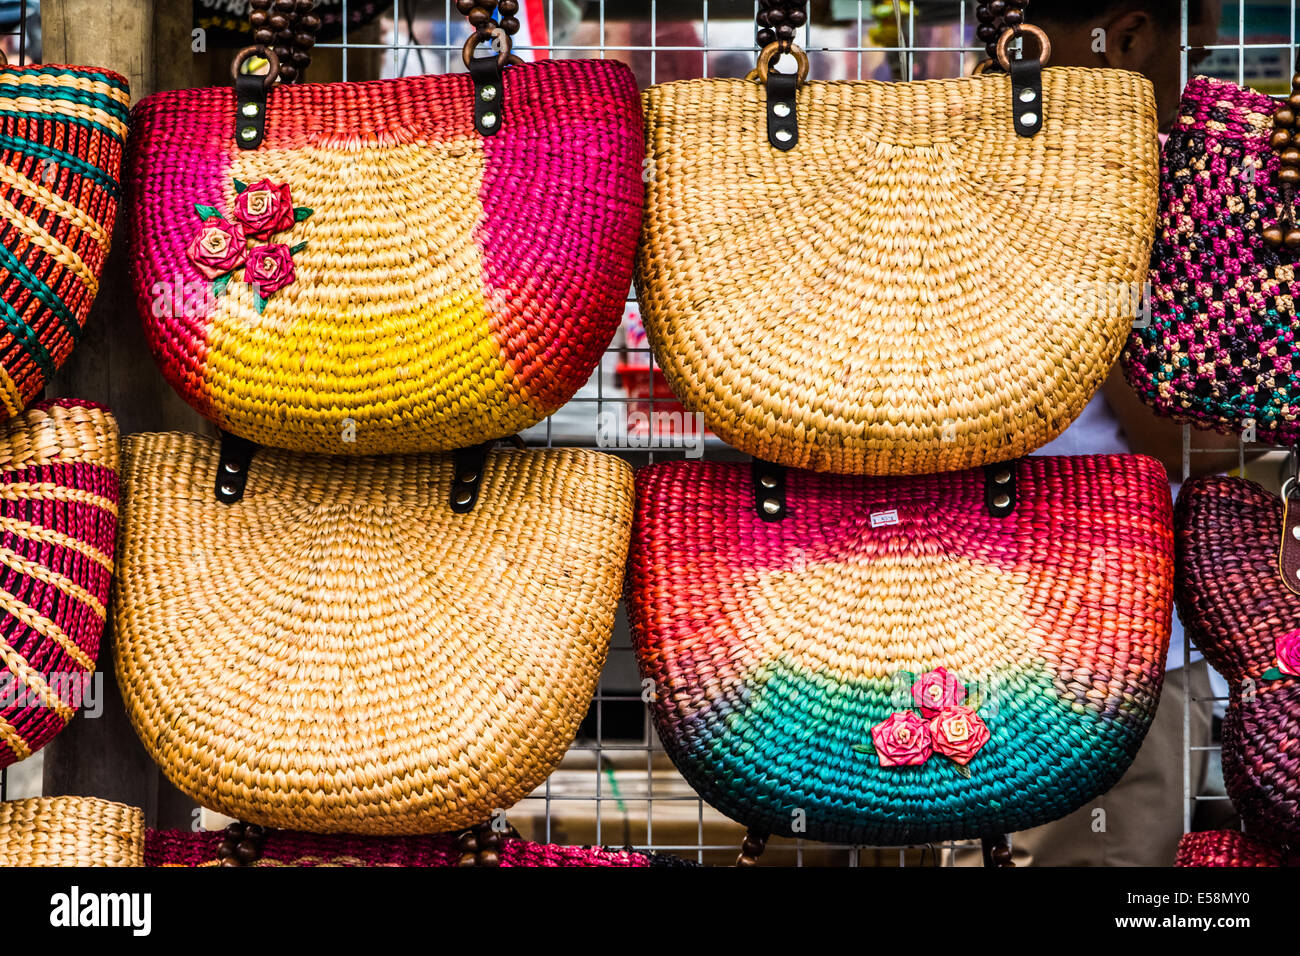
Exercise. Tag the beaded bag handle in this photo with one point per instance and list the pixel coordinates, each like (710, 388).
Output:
(1285, 141)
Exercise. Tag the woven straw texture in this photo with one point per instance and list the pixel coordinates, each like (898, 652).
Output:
(913, 287)
(70, 831)
(1221, 348)
(340, 652)
(62, 133)
(775, 648)
(1233, 602)
(1230, 848)
(58, 519)
(452, 288)
(287, 848)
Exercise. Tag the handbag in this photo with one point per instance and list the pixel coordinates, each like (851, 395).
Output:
(895, 278)
(899, 660)
(1230, 848)
(392, 266)
(70, 831)
(58, 514)
(62, 132)
(363, 645)
(247, 845)
(1219, 350)
(1239, 598)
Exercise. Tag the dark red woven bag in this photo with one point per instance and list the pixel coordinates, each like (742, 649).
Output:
(1230, 848)
(1239, 611)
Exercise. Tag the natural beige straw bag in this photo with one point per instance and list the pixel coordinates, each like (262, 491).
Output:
(339, 651)
(907, 282)
(70, 831)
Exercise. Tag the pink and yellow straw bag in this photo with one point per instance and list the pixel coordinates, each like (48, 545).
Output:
(407, 265)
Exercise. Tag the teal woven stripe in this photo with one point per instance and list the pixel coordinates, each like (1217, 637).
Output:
(115, 82)
(39, 289)
(64, 118)
(112, 107)
(75, 163)
(27, 338)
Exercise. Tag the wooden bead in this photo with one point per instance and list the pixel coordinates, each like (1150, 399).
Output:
(1274, 236)
(247, 852)
(284, 6)
(301, 59)
(510, 25)
(226, 851)
(1290, 156)
(303, 6)
(983, 13)
(1293, 100)
(987, 32)
(797, 18)
(263, 36)
(488, 858)
(309, 22)
(463, 7)
(254, 832)
(743, 860)
(785, 32)
(304, 40)
(1279, 139)
(468, 859)
(1292, 240)
(1289, 175)
(1284, 118)
(288, 72)
(479, 16)
(766, 36)
(1013, 18)
(508, 8)
(235, 831)
(257, 19)
(278, 22)
(774, 17)
(997, 8)
(468, 842)
(231, 862)
(260, 4)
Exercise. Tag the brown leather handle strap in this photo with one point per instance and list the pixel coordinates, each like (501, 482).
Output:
(288, 27)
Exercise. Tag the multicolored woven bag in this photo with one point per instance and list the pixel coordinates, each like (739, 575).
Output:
(895, 278)
(364, 645)
(1239, 598)
(1221, 349)
(58, 518)
(62, 134)
(70, 831)
(886, 662)
(242, 845)
(394, 266)
(1230, 848)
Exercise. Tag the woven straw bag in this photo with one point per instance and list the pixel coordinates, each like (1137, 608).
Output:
(889, 664)
(405, 265)
(58, 514)
(289, 848)
(1220, 349)
(909, 281)
(70, 831)
(1239, 598)
(341, 651)
(1230, 848)
(62, 133)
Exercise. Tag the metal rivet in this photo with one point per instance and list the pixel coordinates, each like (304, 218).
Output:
(489, 119)
(781, 109)
(488, 93)
(232, 467)
(229, 490)
(1295, 532)
(248, 133)
(464, 498)
(1028, 96)
(771, 505)
(1028, 119)
(767, 481)
(468, 477)
(1001, 501)
(784, 135)
(1003, 476)
(249, 109)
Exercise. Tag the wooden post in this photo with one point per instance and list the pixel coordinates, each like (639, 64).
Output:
(148, 42)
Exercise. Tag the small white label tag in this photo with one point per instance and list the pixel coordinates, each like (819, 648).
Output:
(881, 518)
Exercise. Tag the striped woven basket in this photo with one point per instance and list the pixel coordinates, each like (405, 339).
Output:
(888, 663)
(1236, 608)
(1230, 848)
(377, 277)
(70, 831)
(58, 514)
(340, 652)
(288, 848)
(913, 287)
(62, 134)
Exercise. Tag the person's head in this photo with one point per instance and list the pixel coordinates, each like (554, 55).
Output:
(1138, 35)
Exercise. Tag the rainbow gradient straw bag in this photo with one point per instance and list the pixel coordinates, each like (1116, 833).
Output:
(62, 137)
(407, 265)
(902, 660)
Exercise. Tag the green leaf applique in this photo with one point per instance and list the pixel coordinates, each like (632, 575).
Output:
(294, 250)
(206, 212)
(239, 186)
(259, 301)
(301, 212)
(1273, 673)
(219, 285)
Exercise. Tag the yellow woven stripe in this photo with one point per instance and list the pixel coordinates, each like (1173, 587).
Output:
(84, 83)
(34, 681)
(64, 254)
(48, 491)
(43, 574)
(32, 104)
(38, 193)
(32, 532)
(16, 743)
(45, 627)
(9, 394)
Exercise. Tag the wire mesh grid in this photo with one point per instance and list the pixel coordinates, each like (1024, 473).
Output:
(616, 785)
